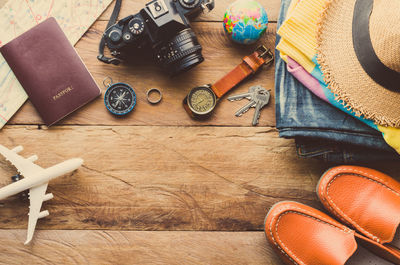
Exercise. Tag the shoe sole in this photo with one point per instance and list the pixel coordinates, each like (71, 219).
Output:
(319, 183)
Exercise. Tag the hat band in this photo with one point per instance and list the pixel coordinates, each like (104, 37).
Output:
(365, 52)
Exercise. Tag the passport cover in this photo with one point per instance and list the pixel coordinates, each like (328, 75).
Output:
(50, 71)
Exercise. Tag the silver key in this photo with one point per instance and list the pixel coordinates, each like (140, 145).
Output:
(251, 104)
(247, 95)
(262, 100)
(245, 108)
(253, 100)
(240, 96)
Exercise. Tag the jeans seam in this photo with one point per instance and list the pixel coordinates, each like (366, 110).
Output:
(331, 131)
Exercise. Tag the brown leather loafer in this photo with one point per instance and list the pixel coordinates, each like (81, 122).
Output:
(366, 200)
(306, 236)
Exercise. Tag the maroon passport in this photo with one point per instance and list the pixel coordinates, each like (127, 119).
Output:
(50, 71)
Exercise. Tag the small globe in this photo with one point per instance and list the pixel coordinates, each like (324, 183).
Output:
(245, 21)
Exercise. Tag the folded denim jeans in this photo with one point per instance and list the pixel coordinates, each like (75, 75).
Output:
(301, 114)
(333, 152)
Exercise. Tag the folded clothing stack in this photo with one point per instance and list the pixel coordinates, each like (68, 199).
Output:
(307, 110)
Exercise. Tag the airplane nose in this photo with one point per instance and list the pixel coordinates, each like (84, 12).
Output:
(79, 161)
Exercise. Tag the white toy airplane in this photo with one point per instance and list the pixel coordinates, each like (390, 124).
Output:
(36, 180)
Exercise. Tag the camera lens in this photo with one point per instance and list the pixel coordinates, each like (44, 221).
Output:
(179, 54)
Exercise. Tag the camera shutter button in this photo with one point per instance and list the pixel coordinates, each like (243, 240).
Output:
(127, 37)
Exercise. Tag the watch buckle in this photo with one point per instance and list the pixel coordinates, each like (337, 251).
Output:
(264, 52)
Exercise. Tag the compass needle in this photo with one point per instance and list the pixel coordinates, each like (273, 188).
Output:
(120, 98)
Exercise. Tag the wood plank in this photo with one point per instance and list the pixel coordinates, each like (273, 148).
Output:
(126, 247)
(161, 178)
(133, 7)
(164, 178)
(221, 57)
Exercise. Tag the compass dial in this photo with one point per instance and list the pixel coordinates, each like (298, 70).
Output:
(202, 100)
(120, 99)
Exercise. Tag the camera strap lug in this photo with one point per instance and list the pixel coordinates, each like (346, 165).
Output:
(102, 45)
(207, 6)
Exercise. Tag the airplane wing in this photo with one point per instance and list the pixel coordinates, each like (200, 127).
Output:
(27, 168)
(36, 198)
(24, 166)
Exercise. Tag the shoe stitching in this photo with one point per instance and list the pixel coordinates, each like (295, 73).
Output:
(286, 249)
(339, 212)
(276, 244)
(330, 208)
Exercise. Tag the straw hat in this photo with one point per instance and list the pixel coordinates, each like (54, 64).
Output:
(359, 54)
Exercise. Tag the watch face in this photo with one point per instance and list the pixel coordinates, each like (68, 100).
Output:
(120, 99)
(201, 100)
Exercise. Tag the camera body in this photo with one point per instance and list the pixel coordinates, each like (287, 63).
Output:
(163, 26)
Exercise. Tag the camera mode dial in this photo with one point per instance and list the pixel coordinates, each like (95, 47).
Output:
(136, 26)
(189, 3)
(115, 35)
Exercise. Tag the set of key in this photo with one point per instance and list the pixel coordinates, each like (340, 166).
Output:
(259, 98)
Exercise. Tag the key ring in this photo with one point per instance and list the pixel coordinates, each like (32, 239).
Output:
(109, 83)
(154, 90)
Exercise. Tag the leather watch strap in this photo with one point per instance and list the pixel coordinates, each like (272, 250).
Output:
(249, 66)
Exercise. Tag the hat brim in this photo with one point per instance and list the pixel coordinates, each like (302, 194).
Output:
(344, 74)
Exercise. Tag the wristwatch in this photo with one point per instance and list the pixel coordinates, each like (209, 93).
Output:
(201, 101)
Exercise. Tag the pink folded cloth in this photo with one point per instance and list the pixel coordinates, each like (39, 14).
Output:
(306, 78)
(321, 90)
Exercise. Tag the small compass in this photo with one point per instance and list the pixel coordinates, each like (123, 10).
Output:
(120, 98)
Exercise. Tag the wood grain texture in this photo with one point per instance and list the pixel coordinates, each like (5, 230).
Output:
(125, 247)
(158, 170)
(221, 56)
(133, 7)
(161, 178)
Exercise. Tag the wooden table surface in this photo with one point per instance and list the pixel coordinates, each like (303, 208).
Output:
(157, 187)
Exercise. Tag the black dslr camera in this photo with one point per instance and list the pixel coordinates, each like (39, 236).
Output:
(163, 26)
